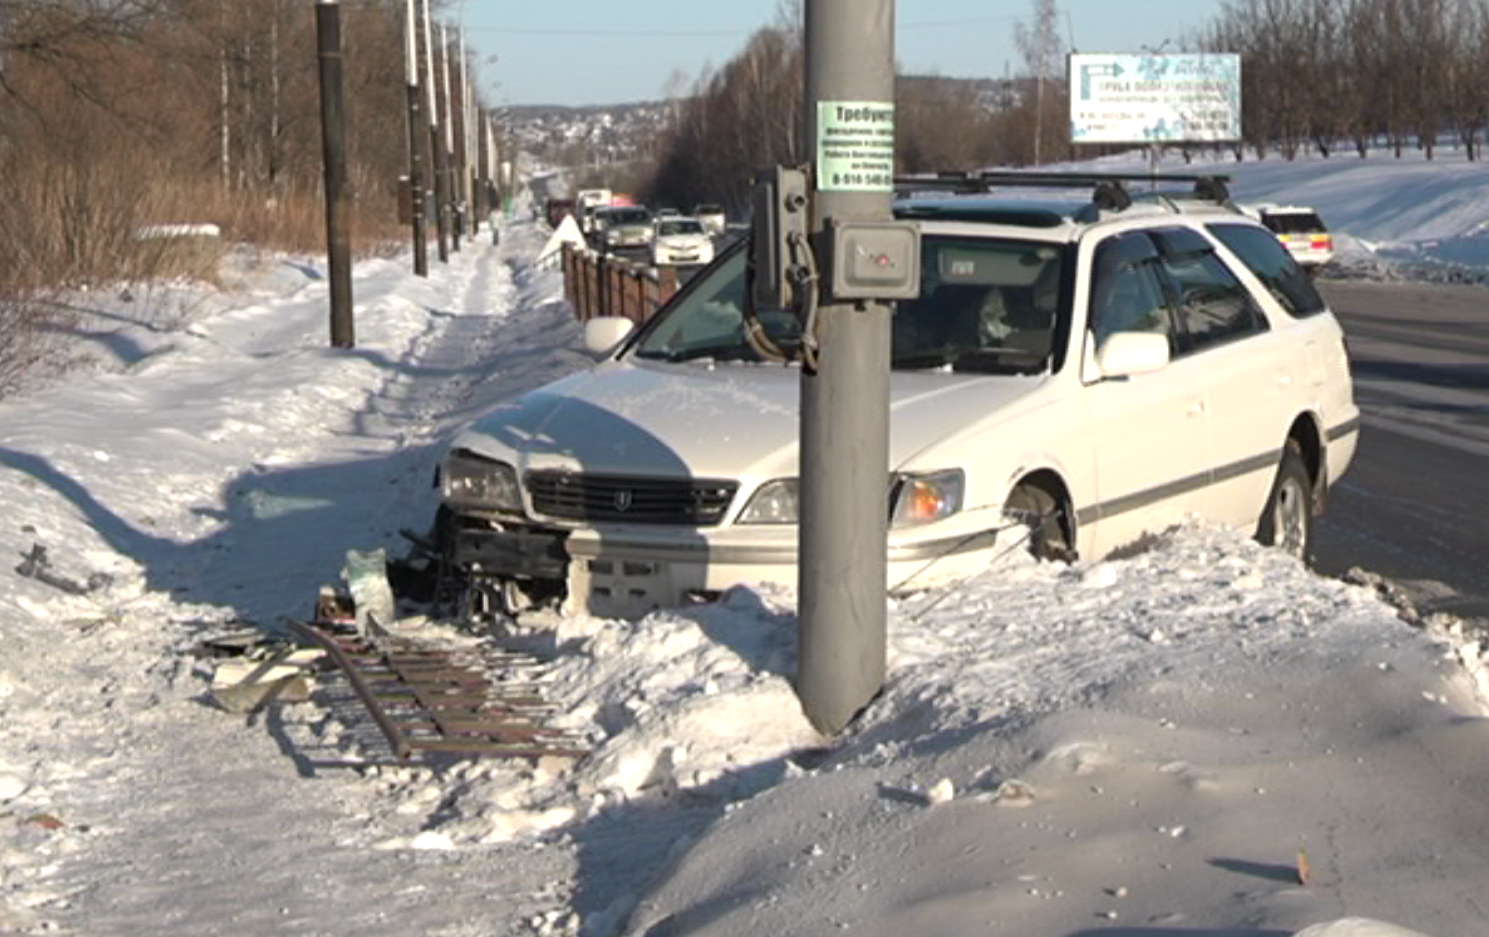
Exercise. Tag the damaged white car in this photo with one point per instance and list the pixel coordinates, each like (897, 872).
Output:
(1102, 369)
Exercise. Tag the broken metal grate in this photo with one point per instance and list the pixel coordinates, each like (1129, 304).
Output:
(429, 699)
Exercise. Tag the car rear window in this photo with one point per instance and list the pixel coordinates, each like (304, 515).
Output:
(1293, 222)
(1260, 251)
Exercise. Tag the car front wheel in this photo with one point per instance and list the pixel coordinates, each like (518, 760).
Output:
(1287, 519)
(1044, 515)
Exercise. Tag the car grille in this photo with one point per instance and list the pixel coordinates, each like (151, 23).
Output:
(693, 501)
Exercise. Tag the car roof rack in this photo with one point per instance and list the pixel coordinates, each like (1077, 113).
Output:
(1108, 189)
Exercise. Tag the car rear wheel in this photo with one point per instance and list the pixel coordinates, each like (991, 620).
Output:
(1044, 515)
(1287, 520)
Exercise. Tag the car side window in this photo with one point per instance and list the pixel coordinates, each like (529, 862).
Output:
(1212, 305)
(1265, 257)
(1126, 295)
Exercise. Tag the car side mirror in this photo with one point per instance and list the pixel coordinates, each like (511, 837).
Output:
(603, 333)
(1124, 354)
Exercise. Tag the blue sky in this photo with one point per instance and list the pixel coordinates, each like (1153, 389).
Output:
(606, 52)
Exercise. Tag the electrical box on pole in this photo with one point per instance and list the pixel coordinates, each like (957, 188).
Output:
(778, 242)
(860, 260)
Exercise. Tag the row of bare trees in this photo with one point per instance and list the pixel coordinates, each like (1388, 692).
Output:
(116, 115)
(1316, 74)
(748, 115)
(202, 110)
(1328, 74)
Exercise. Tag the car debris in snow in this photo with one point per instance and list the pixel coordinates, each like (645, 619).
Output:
(35, 564)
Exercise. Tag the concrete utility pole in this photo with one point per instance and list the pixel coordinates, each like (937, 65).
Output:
(416, 134)
(333, 138)
(845, 397)
(468, 141)
(447, 118)
(436, 148)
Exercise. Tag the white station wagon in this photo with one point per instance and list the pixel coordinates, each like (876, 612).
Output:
(1099, 369)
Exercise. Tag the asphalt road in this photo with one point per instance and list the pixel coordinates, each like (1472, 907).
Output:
(1414, 505)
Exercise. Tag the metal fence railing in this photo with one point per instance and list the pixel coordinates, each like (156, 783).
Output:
(606, 285)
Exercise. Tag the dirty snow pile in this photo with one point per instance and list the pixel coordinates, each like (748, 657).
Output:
(1202, 737)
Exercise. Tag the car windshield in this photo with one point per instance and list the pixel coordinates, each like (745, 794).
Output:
(986, 305)
(626, 216)
(670, 226)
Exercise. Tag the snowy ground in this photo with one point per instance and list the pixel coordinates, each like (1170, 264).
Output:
(1201, 739)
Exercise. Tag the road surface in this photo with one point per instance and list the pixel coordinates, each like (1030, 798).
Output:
(1414, 506)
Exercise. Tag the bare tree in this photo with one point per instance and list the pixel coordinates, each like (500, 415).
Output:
(940, 124)
(1039, 44)
(755, 99)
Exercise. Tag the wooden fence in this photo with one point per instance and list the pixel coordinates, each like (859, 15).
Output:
(605, 285)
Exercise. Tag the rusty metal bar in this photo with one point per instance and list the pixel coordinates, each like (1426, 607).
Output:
(390, 731)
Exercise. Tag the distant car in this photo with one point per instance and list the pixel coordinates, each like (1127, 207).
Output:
(668, 213)
(555, 209)
(711, 217)
(623, 228)
(1300, 230)
(587, 203)
(679, 241)
(1075, 375)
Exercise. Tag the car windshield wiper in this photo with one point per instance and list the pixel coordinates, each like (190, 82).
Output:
(730, 352)
(924, 360)
(997, 360)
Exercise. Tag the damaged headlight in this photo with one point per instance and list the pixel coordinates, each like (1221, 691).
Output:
(471, 481)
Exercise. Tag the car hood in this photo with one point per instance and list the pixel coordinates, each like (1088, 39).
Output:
(728, 421)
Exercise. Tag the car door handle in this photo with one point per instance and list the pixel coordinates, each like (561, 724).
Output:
(1195, 408)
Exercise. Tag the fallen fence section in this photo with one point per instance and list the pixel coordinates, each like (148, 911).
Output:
(430, 699)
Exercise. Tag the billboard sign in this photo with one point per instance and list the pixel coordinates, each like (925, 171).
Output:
(1179, 97)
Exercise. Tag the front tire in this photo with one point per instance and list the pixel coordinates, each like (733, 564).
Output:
(1044, 515)
(1287, 520)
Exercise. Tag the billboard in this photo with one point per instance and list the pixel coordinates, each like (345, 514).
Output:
(1180, 97)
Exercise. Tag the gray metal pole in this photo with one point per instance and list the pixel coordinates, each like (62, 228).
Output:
(845, 399)
(333, 138)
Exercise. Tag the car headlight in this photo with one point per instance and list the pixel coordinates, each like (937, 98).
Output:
(773, 503)
(920, 499)
(913, 499)
(471, 481)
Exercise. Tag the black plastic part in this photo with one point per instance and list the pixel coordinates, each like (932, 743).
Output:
(521, 553)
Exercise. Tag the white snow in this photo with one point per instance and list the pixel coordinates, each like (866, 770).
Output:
(1201, 738)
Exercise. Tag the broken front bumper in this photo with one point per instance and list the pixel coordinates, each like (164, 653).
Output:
(627, 571)
(520, 553)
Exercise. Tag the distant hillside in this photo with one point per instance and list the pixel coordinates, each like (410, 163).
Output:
(618, 133)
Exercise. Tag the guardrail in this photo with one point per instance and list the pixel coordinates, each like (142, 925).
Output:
(606, 285)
